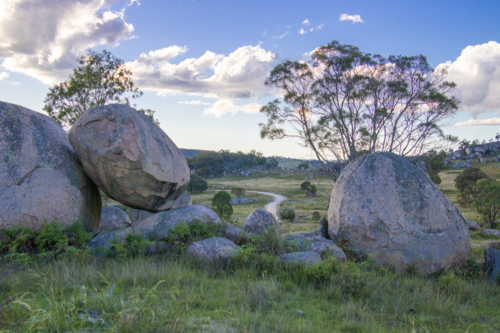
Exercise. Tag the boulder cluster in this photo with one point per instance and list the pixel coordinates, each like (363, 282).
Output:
(381, 204)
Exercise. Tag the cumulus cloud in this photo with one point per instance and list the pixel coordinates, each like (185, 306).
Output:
(241, 74)
(223, 106)
(3, 75)
(479, 122)
(477, 75)
(195, 102)
(44, 38)
(306, 21)
(353, 18)
(319, 27)
(302, 31)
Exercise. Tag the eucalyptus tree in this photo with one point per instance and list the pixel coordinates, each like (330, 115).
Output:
(344, 103)
(101, 78)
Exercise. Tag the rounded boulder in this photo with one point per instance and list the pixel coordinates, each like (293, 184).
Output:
(41, 178)
(384, 205)
(129, 157)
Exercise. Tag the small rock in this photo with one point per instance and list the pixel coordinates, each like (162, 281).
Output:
(492, 232)
(314, 242)
(112, 219)
(104, 240)
(491, 244)
(473, 225)
(259, 221)
(137, 215)
(214, 250)
(233, 233)
(323, 230)
(183, 200)
(298, 258)
(483, 160)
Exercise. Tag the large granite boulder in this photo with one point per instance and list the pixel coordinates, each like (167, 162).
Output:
(41, 178)
(492, 232)
(260, 221)
(315, 242)
(215, 250)
(129, 157)
(137, 215)
(112, 219)
(182, 201)
(159, 225)
(492, 263)
(383, 204)
(473, 225)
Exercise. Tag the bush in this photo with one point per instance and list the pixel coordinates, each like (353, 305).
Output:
(238, 192)
(287, 213)
(221, 205)
(316, 216)
(465, 183)
(197, 184)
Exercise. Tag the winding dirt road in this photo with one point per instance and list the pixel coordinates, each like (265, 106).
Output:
(272, 207)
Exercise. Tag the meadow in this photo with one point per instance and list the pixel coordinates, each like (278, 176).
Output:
(168, 293)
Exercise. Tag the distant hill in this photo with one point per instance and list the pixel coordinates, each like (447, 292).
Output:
(190, 152)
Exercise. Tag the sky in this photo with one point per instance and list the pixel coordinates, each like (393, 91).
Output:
(202, 64)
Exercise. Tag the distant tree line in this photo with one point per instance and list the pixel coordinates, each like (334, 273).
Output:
(210, 164)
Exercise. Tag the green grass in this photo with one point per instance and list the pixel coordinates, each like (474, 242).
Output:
(157, 294)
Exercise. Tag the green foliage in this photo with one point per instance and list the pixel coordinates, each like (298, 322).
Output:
(100, 79)
(212, 164)
(183, 234)
(465, 183)
(52, 236)
(303, 165)
(308, 188)
(221, 205)
(316, 216)
(150, 114)
(197, 184)
(271, 164)
(341, 104)
(487, 200)
(434, 163)
(287, 213)
(238, 192)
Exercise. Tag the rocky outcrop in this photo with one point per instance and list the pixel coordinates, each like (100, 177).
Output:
(112, 219)
(215, 250)
(41, 179)
(492, 232)
(159, 225)
(298, 258)
(382, 204)
(314, 242)
(129, 157)
(473, 225)
(260, 221)
(492, 263)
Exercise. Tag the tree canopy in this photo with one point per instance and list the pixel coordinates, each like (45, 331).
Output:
(346, 102)
(213, 164)
(487, 200)
(101, 78)
(221, 204)
(197, 184)
(465, 183)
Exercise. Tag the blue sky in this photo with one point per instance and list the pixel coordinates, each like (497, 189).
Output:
(202, 64)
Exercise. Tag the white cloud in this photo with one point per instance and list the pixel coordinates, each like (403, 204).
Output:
(264, 34)
(279, 37)
(319, 27)
(477, 75)
(195, 102)
(312, 29)
(223, 106)
(306, 21)
(479, 122)
(3, 75)
(353, 18)
(241, 74)
(302, 31)
(43, 38)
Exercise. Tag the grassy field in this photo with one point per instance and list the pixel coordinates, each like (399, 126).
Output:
(83, 293)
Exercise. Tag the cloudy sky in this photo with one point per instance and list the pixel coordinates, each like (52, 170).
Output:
(202, 63)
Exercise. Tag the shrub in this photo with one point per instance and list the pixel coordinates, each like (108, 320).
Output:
(465, 183)
(316, 216)
(487, 200)
(221, 205)
(238, 192)
(197, 184)
(287, 213)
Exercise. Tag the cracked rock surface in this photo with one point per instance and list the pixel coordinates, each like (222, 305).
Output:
(129, 157)
(383, 204)
(41, 178)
